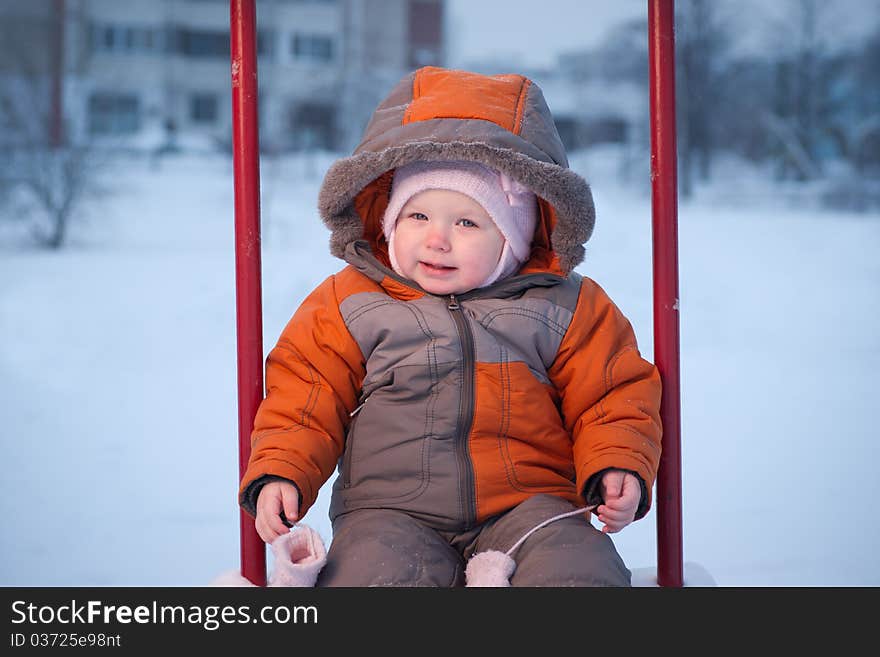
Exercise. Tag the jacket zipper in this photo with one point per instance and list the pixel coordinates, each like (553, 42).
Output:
(346, 457)
(466, 409)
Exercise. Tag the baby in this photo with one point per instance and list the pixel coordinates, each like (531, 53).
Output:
(474, 392)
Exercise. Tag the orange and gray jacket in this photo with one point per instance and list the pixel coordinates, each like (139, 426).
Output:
(455, 408)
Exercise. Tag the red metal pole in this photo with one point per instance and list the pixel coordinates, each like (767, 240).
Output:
(661, 53)
(249, 311)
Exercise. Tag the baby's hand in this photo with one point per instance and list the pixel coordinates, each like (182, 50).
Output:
(274, 498)
(621, 492)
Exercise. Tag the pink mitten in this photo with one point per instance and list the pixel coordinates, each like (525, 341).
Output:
(299, 557)
(490, 568)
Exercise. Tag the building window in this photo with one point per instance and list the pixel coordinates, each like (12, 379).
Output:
(266, 43)
(114, 114)
(105, 38)
(124, 38)
(201, 43)
(203, 108)
(312, 46)
(425, 33)
(7, 119)
(144, 39)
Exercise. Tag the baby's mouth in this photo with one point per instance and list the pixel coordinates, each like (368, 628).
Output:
(436, 267)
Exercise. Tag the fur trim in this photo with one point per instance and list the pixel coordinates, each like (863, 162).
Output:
(569, 194)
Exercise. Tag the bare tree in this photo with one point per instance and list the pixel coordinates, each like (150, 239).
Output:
(857, 119)
(55, 182)
(701, 43)
(807, 74)
(797, 94)
(53, 172)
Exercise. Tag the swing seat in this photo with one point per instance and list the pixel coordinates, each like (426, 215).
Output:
(695, 576)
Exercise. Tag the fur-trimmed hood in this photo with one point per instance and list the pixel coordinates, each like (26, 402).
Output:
(438, 114)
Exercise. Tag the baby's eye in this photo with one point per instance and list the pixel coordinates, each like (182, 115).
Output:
(418, 216)
(467, 223)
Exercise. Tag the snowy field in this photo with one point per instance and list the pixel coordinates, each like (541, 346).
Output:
(118, 376)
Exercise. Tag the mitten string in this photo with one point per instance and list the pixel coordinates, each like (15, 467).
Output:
(545, 523)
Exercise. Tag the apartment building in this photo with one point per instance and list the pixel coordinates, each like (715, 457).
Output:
(138, 70)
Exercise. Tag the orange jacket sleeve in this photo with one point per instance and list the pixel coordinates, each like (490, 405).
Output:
(313, 377)
(610, 395)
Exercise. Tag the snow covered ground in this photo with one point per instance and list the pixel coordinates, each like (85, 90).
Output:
(118, 376)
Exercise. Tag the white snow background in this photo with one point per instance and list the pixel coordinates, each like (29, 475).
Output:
(118, 374)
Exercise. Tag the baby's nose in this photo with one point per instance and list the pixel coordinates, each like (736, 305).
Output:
(438, 239)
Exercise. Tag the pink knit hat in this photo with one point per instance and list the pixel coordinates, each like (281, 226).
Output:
(512, 206)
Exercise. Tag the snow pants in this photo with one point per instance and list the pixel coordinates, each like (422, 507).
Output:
(383, 547)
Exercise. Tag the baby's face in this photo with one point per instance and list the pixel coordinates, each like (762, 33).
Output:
(446, 242)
